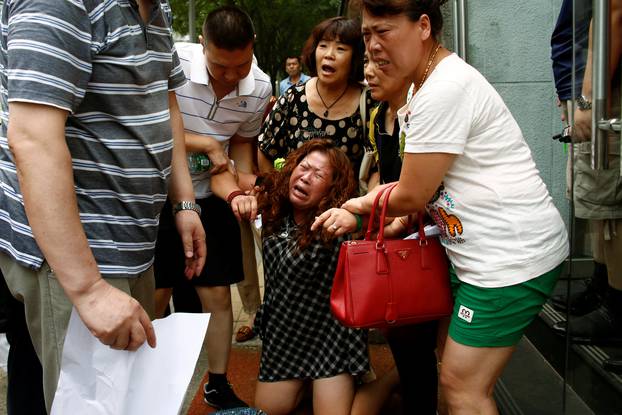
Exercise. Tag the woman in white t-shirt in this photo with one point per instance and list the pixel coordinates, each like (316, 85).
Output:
(466, 162)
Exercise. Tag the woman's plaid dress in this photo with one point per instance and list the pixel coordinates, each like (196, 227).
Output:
(301, 339)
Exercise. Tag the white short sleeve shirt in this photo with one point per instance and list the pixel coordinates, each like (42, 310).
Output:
(240, 112)
(499, 224)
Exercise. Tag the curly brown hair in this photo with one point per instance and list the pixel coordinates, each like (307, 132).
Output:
(273, 199)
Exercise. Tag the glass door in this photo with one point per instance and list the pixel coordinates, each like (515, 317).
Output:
(590, 300)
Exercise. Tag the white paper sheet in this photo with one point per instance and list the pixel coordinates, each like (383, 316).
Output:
(98, 380)
(430, 230)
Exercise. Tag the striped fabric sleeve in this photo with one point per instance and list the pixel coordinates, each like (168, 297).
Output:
(49, 53)
(177, 78)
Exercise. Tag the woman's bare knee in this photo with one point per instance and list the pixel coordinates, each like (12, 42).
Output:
(333, 396)
(450, 383)
(278, 398)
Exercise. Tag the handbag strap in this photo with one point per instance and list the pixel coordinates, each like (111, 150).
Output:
(422, 237)
(372, 214)
(383, 214)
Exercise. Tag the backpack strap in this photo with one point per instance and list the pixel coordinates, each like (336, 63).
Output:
(372, 130)
(363, 109)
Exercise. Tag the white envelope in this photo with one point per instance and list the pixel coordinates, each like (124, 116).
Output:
(98, 380)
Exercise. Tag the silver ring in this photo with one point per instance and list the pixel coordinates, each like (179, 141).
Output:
(334, 227)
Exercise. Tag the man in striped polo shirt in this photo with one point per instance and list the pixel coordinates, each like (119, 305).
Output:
(88, 149)
(222, 106)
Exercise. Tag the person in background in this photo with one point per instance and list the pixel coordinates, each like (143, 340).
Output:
(466, 164)
(91, 141)
(598, 198)
(293, 67)
(413, 346)
(222, 107)
(24, 393)
(569, 49)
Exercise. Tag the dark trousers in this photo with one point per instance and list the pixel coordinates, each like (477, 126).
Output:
(25, 376)
(413, 349)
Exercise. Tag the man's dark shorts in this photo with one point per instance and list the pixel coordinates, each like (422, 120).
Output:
(224, 250)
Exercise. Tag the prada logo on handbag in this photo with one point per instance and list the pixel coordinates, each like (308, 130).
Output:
(403, 253)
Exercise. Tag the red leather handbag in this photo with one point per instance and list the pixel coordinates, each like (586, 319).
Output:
(385, 283)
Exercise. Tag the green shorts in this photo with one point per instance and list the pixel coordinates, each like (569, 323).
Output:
(497, 317)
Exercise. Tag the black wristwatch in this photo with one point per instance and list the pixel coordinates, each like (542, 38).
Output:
(186, 205)
(583, 103)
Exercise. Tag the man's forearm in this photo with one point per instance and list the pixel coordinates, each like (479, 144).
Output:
(586, 88)
(241, 151)
(45, 175)
(615, 47)
(223, 184)
(180, 187)
(196, 143)
(265, 165)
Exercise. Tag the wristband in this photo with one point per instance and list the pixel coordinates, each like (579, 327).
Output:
(234, 194)
(359, 222)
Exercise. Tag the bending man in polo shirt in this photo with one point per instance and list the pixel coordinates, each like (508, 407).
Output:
(88, 147)
(222, 107)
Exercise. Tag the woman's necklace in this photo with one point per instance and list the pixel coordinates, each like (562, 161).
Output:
(322, 99)
(406, 117)
(427, 68)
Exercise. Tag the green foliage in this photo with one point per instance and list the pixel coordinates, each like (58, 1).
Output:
(282, 25)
